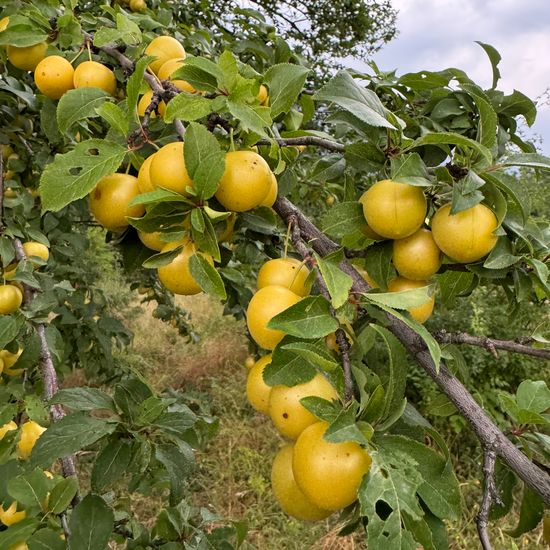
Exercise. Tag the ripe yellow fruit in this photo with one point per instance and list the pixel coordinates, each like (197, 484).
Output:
(164, 48)
(10, 359)
(246, 181)
(109, 201)
(290, 417)
(226, 234)
(152, 240)
(10, 515)
(35, 249)
(169, 67)
(10, 426)
(176, 275)
(91, 74)
(467, 236)
(4, 22)
(168, 169)
(145, 185)
(11, 299)
(370, 234)
(330, 200)
(249, 362)
(27, 58)
(263, 95)
(394, 210)
(30, 433)
(54, 76)
(328, 473)
(419, 313)
(417, 257)
(287, 272)
(265, 304)
(271, 196)
(145, 101)
(287, 493)
(137, 5)
(257, 391)
(19, 546)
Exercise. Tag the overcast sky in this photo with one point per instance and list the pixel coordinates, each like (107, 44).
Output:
(436, 34)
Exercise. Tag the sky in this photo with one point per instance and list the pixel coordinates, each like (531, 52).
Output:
(436, 34)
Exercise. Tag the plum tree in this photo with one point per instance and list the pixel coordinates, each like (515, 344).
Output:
(184, 140)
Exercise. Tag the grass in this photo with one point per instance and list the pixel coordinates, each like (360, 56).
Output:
(234, 472)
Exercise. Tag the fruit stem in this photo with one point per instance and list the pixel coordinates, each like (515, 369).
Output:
(287, 239)
(77, 55)
(89, 51)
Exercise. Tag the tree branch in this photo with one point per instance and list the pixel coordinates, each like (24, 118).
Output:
(484, 427)
(306, 140)
(341, 338)
(49, 376)
(491, 344)
(490, 496)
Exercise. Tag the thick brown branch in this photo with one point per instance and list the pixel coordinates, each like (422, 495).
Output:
(485, 429)
(307, 140)
(491, 344)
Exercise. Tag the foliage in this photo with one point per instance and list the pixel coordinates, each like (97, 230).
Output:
(437, 131)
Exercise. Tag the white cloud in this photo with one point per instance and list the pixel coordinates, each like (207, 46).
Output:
(436, 34)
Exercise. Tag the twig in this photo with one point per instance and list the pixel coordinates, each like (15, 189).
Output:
(341, 338)
(490, 496)
(484, 427)
(491, 344)
(306, 140)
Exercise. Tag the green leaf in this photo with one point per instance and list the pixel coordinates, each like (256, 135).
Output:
(316, 354)
(343, 218)
(46, 539)
(488, 120)
(378, 263)
(309, 318)
(344, 428)
(204, 160)
(179, 463)
(466, 192)
(83, 399)
(126, 31)
(73, 175)
(393, 373)
(453, 284)
(391, 486)
(111, 464)
(62, 494)
(91, 524)
(67, 436)
(321, 408)
(135, 83)
(79, 104)
(364, 104)
(512, 188)
(129, 394)
(449, 138)
(162, 258)
(494, 58)
(207, 276)
(405, 299)
(22, 35)
(30, 489)
(19, 532)
(518, 104)
(253, 118)
(206, 240)
(439, 487)
(338, 283)
(115, 117)
(531, 160)
(501, 256)
(530, 514)
(8, 330)
(187, 107)
(533, 396)
(287, 368)
(429, 340)
(430, 532)
(285, 82)
(410, 169)
(200, 72)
